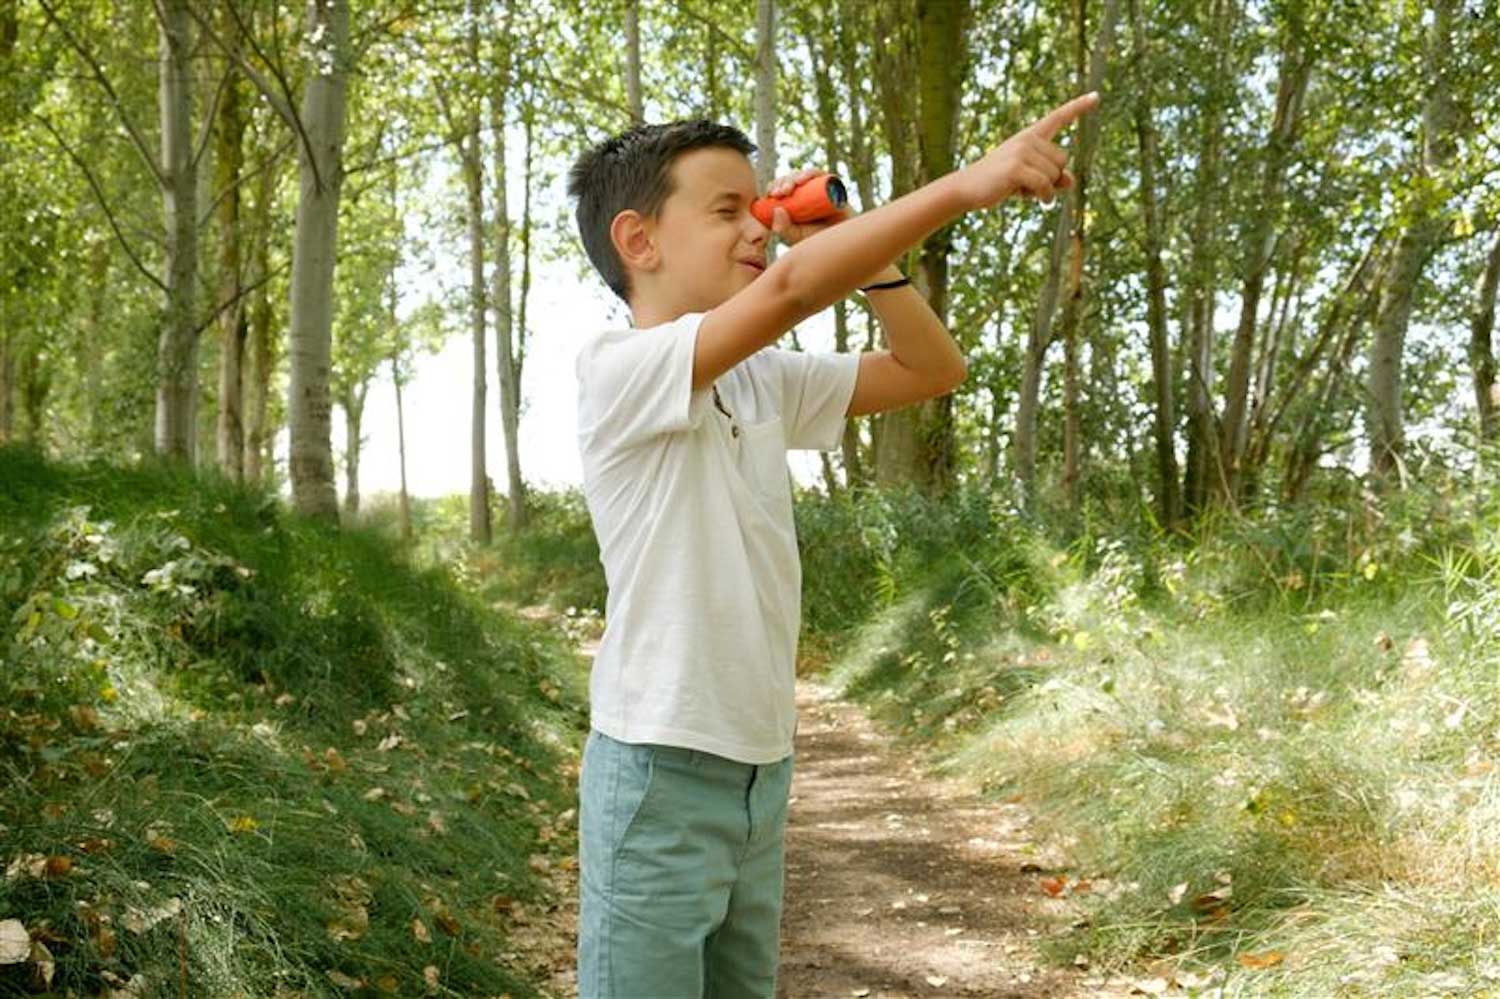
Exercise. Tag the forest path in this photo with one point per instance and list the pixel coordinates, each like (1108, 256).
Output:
(902, 883)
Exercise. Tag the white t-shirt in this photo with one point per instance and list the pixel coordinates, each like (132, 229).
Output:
(696, 536)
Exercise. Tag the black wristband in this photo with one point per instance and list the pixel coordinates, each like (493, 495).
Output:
(887, 284)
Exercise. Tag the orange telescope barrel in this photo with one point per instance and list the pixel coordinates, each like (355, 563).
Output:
(816, 198)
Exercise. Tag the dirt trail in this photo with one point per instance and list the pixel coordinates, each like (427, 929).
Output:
(900, 883)
(904, 883)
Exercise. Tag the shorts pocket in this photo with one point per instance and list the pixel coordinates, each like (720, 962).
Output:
(636, 781)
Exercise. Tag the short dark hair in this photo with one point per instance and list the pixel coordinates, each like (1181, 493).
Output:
(632, 170)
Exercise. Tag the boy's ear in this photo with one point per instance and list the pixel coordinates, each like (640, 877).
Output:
(633, 240)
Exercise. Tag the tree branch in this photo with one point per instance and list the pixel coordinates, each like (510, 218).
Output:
(282, 102)
(245, 290)
(99, 196)
(208, 119)
(266, 164)
(114, 98)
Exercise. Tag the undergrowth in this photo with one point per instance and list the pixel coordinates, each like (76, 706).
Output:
(245, 754)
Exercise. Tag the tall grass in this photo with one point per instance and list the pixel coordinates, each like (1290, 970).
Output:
(1268, 752)
(247, 755)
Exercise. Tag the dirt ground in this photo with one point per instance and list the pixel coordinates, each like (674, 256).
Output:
(900, 884)
(903, 884)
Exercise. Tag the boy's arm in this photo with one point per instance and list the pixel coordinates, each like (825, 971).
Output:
(817, 272)
(832, 262)
(923, 360)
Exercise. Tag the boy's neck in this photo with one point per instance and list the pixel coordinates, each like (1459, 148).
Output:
(644, 314)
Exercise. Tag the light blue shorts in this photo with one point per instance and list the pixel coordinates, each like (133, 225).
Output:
(681, 872)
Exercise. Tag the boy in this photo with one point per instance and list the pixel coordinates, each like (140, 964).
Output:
(684, 421)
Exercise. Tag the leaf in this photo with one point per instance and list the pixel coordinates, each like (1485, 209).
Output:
(15, 942)
(420, 932)
(343, 981)
(139, 922)
(1054, 886)
(1258, 962)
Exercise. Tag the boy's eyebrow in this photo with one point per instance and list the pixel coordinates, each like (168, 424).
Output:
(730, 195)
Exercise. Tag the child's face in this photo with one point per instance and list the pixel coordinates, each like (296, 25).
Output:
(710, 244)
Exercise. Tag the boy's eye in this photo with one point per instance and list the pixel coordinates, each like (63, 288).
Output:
(730, 212)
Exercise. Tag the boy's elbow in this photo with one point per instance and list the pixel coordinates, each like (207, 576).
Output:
(956, 375)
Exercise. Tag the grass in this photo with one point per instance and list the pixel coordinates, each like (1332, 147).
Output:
(1265, 761)
(248, 755)
(1270, 757)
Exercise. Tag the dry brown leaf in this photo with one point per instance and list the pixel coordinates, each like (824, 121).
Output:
(1257, 962)
(420, 932)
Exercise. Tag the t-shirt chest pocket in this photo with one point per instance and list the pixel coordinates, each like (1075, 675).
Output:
(761, 459)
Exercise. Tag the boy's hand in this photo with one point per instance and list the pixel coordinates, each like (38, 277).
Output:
(1027, 162)
(782, 226)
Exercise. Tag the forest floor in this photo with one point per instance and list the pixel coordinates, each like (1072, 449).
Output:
(900, 883)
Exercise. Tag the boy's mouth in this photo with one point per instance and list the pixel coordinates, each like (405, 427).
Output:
(758, 265)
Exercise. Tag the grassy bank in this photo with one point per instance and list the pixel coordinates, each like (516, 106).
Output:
(1263, 760)
(247, 755)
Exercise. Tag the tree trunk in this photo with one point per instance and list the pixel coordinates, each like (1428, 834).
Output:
(397, 378)
(1419, 240)
(765, 93)
(472, 156)
(506, 368)
(1303, 457)
(257, 377)
(1352, 298)
(93, 360)
(1081, 163)
(1202, 466)
(829, 108)
(233, 325)
(177, 344)
(406, 532)
(917, 442)
(1169, 507)
(321, 167)
(1481, 350)
(353, 404)
(1037, 341)
(1296, 69)
(633, 61)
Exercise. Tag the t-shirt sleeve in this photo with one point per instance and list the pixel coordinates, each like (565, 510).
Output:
(637, 384)
(815, 394)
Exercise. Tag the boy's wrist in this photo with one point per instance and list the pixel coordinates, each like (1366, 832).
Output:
(890, 273)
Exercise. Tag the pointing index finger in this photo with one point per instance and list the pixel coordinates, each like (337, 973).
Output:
(1061, 117)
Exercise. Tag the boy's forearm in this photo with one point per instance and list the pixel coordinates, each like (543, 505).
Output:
(914, 333)
(827, 266)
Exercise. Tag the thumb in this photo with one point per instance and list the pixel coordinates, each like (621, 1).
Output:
(780, 220)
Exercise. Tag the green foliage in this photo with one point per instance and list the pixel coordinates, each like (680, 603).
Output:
(285, 742)
(1241, 741)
